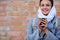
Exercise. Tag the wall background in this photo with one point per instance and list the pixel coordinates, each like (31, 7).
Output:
(15, 16)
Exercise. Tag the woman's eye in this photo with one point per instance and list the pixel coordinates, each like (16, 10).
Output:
(42, 5)
(47, 5)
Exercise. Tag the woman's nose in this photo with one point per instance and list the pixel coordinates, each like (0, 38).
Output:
(45, 6)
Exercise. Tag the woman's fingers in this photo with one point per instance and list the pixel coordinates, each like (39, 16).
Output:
(44, 20)
(39, 21)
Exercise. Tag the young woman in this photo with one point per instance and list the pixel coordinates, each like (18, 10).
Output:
(46, 16)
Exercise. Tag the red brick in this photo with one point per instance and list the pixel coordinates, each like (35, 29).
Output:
(29, 18)
(2, 27)
(3, 3)
(13, 33)
(0, 38)
(2, 33)
(24, 33)
(13, 38)
(56, 3)
(3, 38)
(23, 18)
(17, 3)
(58, 13)
(17, 18)
(15, 8)
(2, 13)
(21, 38)
(17, 14)
(3, 23)
(14, 23)
(11, 13)
(17, 34)
(10, 2)
(37, 7)
(22, 7)
(25, 14)
(30, 6)
(19, 28)
(2, 8)
(26, 23)
(33, 13)
(32, 3)
(13, 4)
(3, 18)
(58, 8)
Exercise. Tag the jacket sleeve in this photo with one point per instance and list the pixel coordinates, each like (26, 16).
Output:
(51, 36)
(31, 35)
(58, 30)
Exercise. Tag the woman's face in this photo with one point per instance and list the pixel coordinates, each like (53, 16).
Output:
(45, 7)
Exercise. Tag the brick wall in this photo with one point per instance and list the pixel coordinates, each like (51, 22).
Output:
(15, 16)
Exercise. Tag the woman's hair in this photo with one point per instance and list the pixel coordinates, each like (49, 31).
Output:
(49, 0)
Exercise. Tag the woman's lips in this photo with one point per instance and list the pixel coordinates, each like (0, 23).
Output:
(44, 10)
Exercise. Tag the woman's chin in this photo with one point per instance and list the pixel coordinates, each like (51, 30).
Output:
(45, 13)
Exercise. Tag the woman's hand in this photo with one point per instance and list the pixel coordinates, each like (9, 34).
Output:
(43, 25)
(39, 27)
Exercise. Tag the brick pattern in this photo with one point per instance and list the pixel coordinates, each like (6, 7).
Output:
(15, 16)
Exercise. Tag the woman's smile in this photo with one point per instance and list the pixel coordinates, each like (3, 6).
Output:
(45, 10)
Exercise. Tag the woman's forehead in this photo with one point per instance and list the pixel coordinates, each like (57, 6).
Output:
(46, 2)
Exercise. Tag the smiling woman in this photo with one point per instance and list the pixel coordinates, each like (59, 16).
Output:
(46, 16)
